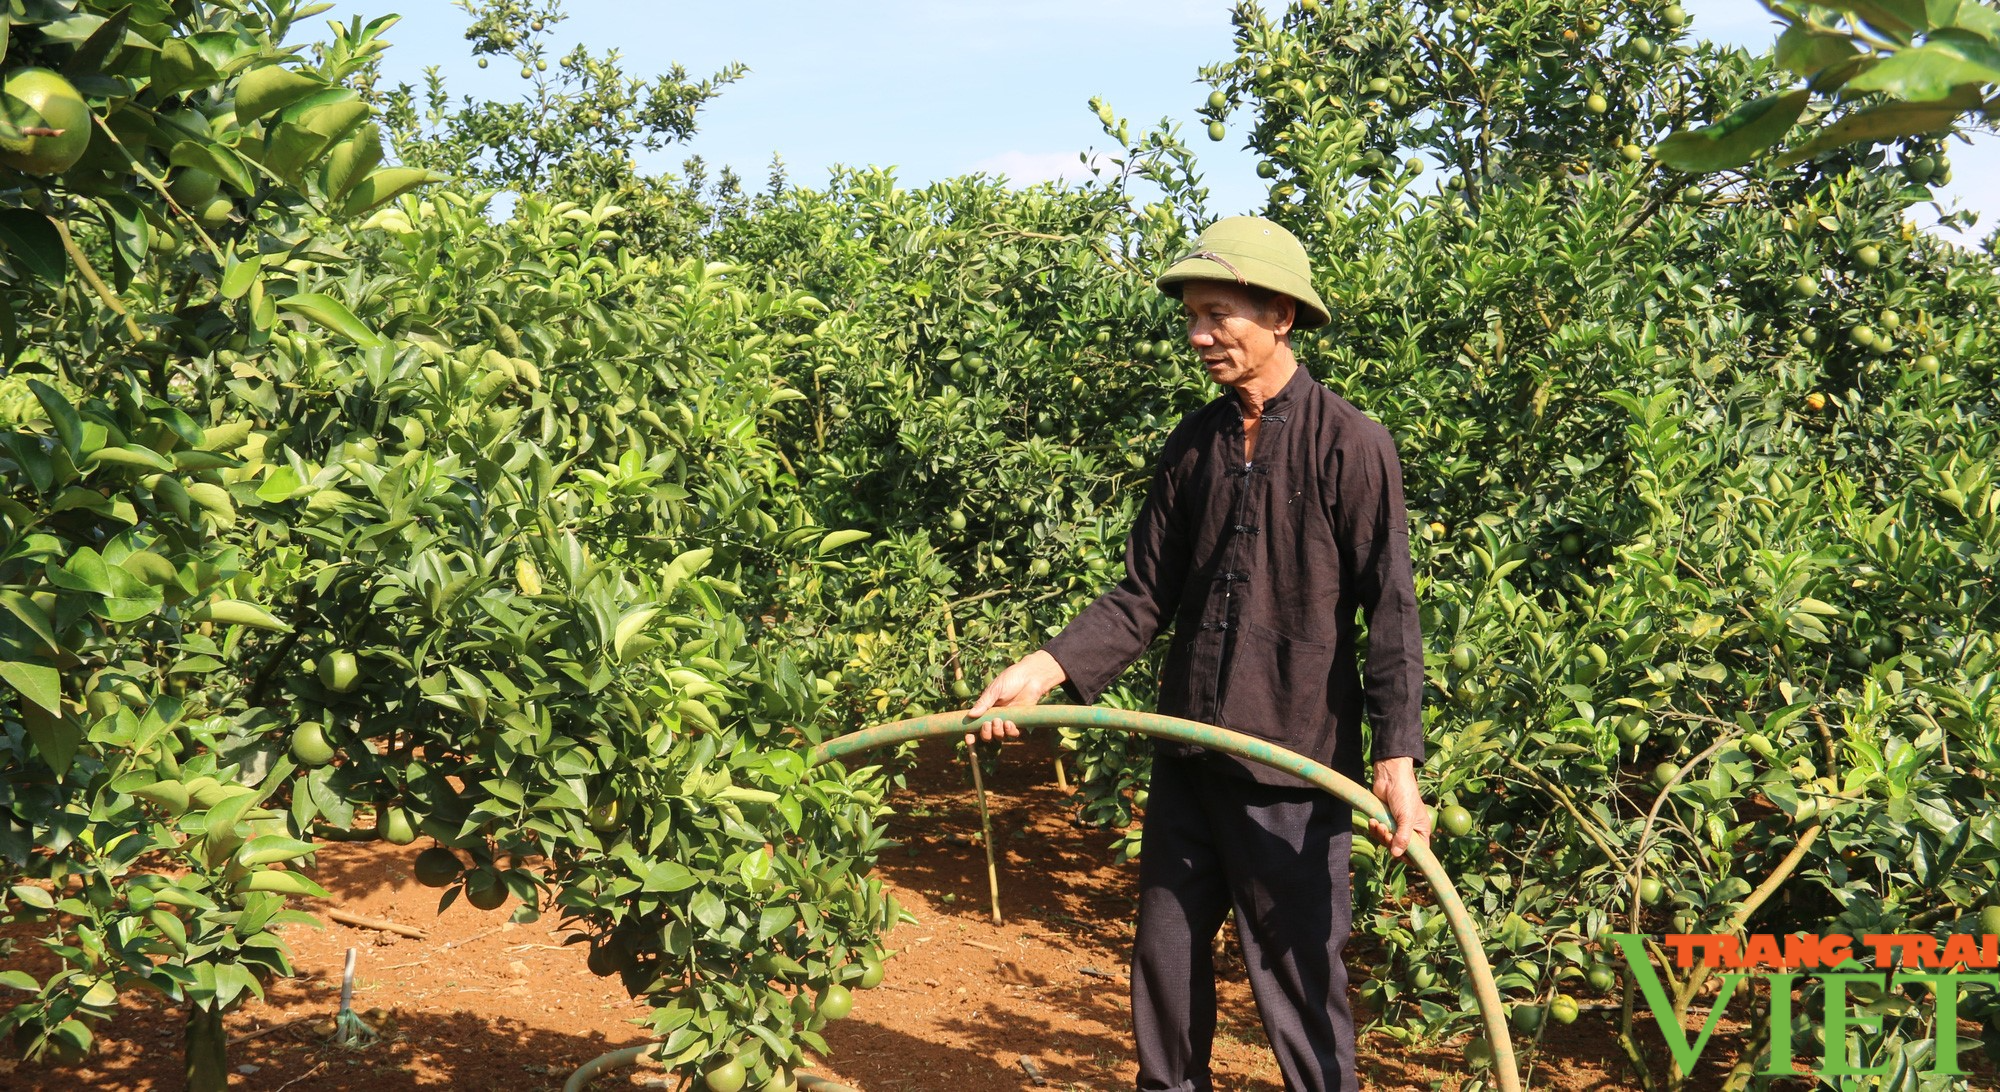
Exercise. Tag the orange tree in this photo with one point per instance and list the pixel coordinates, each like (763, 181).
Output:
(322, 527)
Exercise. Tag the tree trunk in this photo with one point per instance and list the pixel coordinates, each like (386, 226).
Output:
(207, 1051)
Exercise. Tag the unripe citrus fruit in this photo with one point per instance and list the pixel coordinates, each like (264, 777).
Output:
(1461, 657)
(1217, 130)
(1601, 977)
(309, 746)
(1526, 1018)
(1572, 544)
(1456, 821)
(193, 188)
(1805, 287)
(1927, 363)
(835, 1002)
(396, 827)
(1665, 772)
(1479, 1053)
(605, 816)
(437, 867)
(1596, 103)
(1217, 100)
(724, 1076)
(872, 974)
(1563, 1009)
(1651, 891)
(215, 215)
(1674, 16)
(1869, 257)
(1989, 920)
(484, 890)
(36, 98)
(338, 671)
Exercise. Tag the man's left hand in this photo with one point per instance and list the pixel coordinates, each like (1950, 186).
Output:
(1396, 787)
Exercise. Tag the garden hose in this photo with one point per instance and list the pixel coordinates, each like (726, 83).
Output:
(1364, 803)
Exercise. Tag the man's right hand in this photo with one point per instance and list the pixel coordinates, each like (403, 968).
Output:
(1023, 683)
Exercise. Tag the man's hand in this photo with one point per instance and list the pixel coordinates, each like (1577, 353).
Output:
(1396, 787)
(1023, 683)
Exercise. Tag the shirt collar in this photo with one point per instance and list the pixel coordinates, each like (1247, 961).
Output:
(1292, 388)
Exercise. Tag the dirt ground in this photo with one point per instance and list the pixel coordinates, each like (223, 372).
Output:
(1038, 1002)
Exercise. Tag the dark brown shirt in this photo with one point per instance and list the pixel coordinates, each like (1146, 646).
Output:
(1261, 569)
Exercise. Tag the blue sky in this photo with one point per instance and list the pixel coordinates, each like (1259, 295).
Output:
(944, 87)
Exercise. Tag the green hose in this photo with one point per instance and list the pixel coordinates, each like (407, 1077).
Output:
(1364, 803)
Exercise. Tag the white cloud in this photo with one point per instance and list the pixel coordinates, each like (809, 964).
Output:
(1028, 168)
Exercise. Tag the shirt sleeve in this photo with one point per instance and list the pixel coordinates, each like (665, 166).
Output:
(1374, 532)
(1102, 641)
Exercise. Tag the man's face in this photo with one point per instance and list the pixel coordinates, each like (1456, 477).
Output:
(1237, 340)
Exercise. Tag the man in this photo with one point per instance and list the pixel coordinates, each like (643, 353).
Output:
(1274, 517)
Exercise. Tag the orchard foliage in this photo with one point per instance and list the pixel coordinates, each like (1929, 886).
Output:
(339, 504)
(1873, 72)
(331, 514)
(1700, 468)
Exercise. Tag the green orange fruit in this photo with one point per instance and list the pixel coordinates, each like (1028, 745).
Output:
(309, 746)
(726, 1075)
(437, 867)
(193, 188)
(1601, 977)
(835, 1002)
(396, 827)
(36, 98)
(1989, 921)
(872, 973)
(1563, 1009)
(484, 890)
(1456, 821)
(339, 671)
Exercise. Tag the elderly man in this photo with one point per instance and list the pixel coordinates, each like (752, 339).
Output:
(1275, 516)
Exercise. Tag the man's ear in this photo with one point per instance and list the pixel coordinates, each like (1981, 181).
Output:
(1284, 313)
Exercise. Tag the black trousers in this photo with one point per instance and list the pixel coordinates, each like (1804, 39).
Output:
(1279, 856)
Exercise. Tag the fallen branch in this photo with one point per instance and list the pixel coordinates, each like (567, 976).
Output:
(360, 921)
(267, 1029)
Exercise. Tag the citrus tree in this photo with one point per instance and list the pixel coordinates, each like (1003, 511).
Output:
(311, 532)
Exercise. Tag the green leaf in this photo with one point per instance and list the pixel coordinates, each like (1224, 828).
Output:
(37, 897)
(1736, 139)
(1898, 18)
(631, 625)
(31, 616)
(270, 89)
(1928, 72)
(1885, 122)
(62, 416)
(837, 539)
(35, 246)
(384, 186)
(55, 737)
(20, 980)
(177, 67)
(240, 275)
(39, 683)
(324, 310)
(1807, 50)
(217, 160)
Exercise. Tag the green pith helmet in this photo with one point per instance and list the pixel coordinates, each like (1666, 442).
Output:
(1253, 251)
